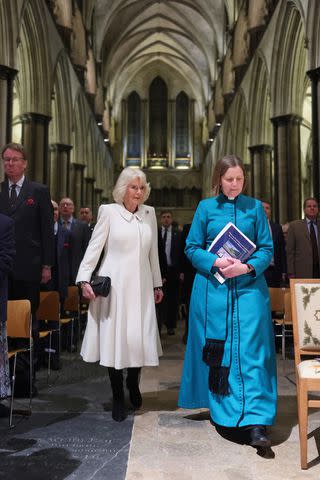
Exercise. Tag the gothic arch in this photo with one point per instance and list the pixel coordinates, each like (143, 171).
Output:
(239, 144)
(288, 63)
(313, 34)
(61, 125)
(9, 28)
(260, 127)
(33, 61)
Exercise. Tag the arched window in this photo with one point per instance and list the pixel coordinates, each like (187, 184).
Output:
(158, 100)
(182, 125)
(134, 127)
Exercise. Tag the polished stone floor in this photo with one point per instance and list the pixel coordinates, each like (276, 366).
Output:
(71, 434)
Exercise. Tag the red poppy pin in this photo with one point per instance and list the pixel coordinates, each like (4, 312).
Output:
(66, 245)
(30, 201)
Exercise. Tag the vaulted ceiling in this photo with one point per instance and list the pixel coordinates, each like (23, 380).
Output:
(181, 40)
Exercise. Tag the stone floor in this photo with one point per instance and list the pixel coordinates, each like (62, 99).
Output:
(71, 435)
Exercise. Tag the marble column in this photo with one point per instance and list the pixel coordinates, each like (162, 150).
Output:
(35, 128)
(287, 168)
(314, 76)
(261, 171)
(76, 184)
(7, 76)
(59, 170)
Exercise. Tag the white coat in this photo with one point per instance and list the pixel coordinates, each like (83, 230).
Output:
(122, 329)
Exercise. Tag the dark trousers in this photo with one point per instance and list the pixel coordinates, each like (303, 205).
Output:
(168, 308)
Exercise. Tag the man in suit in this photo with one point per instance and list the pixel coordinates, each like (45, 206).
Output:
(275, 274)
(7, 252)
(86, 216)
(171, 240)
(28, 204)
(79, 235)
(303, 243)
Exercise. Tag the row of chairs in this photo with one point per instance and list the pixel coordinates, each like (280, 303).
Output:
(19, 325)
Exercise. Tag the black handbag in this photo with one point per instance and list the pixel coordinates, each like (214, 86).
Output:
(100, 285)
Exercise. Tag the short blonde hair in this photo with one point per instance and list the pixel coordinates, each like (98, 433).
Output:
(123, 181)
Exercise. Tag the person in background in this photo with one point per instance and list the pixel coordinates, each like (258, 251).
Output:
(79, 235)
(122, 330)
(171, 239)
(230, 363)
(85, 215)
(7, 253)
(303, 243)
(28, 204)
(276, 272)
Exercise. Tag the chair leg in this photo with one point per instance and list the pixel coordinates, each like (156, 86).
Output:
(71, 341)
(31, 373)
(12, 390)
(303, 423)
(49, 357)
(283, 341)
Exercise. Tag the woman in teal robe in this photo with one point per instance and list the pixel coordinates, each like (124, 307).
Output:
(231, 334)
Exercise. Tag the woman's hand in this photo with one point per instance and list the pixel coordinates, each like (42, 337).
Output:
(87, 291)
(235, 269)
(223, 262)
(158, 295)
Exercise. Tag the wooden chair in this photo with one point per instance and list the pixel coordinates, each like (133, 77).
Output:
(305, 300)
(49, 312)
(281, 313)
(71, 308)
(19, 325)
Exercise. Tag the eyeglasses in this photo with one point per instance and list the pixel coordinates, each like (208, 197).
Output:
(13, 159)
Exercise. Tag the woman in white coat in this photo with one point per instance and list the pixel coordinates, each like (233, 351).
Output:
(122, 328)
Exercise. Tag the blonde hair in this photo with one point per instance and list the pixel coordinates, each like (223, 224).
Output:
(226, 162)
(123, 181)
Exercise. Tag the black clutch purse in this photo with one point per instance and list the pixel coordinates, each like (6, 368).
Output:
(100, 285)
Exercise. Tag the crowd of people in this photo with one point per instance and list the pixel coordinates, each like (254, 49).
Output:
(156, 272)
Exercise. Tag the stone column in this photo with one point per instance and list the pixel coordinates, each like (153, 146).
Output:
(124, 131)
(89, 192)
(287, 168)
(35, 128)
(171, 133)
(76, 184)
(59, 170)
(144, 133)
(261, 172)
(192, 131)
(97, 196)
(314, 76)
(7, 76)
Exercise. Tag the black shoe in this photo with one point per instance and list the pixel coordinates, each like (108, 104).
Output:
(170, 331)
(4, 411)
(258, 437)
(118, 410)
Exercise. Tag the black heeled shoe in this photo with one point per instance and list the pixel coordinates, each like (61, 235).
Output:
(258, 437)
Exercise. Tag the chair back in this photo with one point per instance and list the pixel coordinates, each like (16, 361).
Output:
(49, 306)
(277, 299)
(71, 303)
(19, 319)
(305, 302)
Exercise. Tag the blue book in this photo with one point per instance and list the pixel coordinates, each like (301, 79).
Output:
(231, 243)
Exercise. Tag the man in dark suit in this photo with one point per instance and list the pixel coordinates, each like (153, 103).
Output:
(79, 235)
(303, 251)
(28, 204)
(171, 240)
(275, 274)
(7, 252)
(86, 216)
